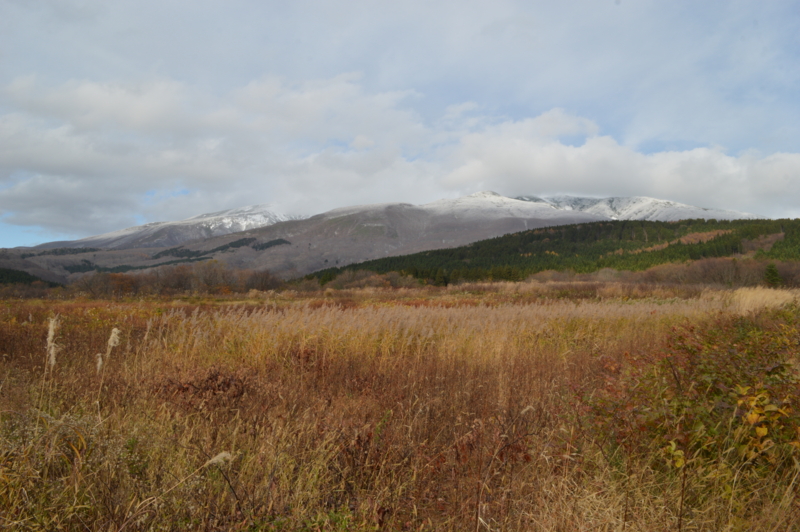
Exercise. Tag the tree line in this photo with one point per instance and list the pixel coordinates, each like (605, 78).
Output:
(586, 248)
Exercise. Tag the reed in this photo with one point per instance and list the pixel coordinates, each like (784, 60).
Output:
(480, 407)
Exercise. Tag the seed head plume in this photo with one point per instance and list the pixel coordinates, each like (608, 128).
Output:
(52, 346)
(113, 341)
(221, 458)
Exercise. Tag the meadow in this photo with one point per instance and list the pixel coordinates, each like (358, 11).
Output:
(485, 406)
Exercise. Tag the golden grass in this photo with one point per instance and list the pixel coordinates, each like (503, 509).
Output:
(449, 409)
(749, 300)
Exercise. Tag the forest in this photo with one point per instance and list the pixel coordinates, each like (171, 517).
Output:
(587, 248)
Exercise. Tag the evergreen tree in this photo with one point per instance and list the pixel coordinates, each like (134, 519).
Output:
(772, 278)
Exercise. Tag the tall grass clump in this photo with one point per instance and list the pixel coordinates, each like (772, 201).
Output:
(537, 408)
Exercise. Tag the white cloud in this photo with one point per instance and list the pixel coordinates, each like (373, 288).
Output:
(266, 141)
(87, 157)
(149, 107)
(107, 109)
(517, 163)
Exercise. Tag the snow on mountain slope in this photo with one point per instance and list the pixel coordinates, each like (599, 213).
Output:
(357, 233)
(481, 206)
(638, 208)
(494, 213)
(490, 205)
(162, 234)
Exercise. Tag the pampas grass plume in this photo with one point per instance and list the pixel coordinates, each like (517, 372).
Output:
(52, 346)
(113, 341)
(221, 458)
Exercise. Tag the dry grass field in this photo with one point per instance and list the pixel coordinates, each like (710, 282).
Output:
(485, 407)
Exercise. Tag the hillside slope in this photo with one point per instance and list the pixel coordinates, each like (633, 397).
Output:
(335, 238)
(584, 248)
(165, 234)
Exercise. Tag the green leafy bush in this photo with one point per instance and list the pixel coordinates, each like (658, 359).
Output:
(721, 403)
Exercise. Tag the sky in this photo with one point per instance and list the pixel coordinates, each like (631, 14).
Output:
(114, 114)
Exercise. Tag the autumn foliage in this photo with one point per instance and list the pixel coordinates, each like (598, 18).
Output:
(495, 406)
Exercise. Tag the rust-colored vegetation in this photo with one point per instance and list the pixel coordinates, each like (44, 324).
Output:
(506, 406)
(762, 243)
(691, 238)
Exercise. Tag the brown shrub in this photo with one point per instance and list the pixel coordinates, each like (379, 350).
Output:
(211, 389)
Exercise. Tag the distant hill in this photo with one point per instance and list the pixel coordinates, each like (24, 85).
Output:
(487, 205)
(9, 276)
(584, 248)
(337, 237)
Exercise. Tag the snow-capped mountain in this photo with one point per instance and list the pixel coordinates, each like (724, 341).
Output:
(481, 206)
(164, 234)
(491, 205)
(292, 246)
(638, 208)
(443, 218)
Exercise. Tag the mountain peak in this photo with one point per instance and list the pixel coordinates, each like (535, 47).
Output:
(638, 208)
(175, 233)
(485, 194)
(485, 204)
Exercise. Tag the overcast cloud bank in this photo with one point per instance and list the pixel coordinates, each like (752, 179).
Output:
(115, 117)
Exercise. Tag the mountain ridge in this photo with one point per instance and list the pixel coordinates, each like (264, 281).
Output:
(486, 204)
(293, 247)
(173, 233)
(642, 208)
